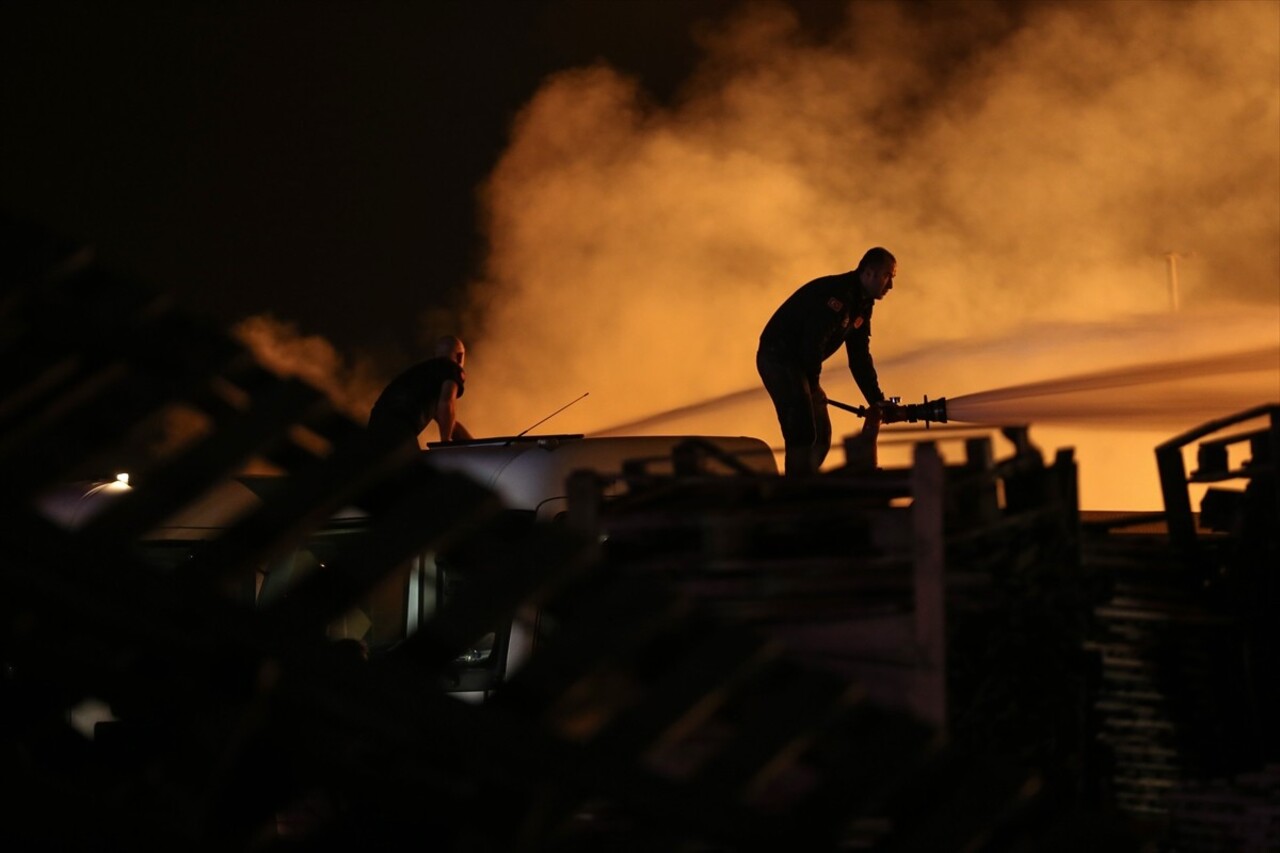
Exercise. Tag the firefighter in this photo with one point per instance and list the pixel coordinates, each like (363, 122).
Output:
(807, 329)
(426, 392)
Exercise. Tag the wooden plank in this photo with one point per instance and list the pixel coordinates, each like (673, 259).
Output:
(716, 661)
(928, 498)
(780, 712)
(603, 621)
(186, 478)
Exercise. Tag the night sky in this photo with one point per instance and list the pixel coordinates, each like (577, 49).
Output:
(315, 161)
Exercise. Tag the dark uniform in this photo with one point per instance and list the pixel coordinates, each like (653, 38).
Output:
(805, 330)
(408, 403)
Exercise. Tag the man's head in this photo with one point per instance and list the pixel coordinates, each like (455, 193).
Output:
(876, 271)
(451, 348)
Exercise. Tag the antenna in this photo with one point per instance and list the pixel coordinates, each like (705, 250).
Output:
(550, 416)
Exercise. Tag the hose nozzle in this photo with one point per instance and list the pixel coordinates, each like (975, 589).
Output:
(930, 411)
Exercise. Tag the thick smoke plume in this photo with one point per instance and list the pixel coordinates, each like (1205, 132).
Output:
(352, 386)
(279, 346)
(1033, 166)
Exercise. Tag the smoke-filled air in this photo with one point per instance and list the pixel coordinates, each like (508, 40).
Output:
(1070, 189)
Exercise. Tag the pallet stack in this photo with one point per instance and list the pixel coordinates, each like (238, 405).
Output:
(653, 717)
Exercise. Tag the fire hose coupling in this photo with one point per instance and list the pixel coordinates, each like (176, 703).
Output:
(930, 411)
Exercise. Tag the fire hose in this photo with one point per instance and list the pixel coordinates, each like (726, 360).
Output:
(930, 411)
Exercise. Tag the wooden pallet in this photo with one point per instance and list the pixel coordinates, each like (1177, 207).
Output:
(647, 718)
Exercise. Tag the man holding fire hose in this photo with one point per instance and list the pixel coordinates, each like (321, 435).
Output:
(807, 329)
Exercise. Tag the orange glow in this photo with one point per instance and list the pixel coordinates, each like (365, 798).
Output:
(1032, 196)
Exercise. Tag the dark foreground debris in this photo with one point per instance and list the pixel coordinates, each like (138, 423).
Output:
(894, 660)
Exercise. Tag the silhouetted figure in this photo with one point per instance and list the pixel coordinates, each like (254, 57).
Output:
(805, 330)
(426, 392)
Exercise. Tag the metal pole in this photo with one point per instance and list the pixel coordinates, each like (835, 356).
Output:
(1173, 279)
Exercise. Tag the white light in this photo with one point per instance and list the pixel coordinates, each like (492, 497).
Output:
(119, 484)
(89, 712)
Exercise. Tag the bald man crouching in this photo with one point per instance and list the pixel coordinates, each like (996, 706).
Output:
(428, 391)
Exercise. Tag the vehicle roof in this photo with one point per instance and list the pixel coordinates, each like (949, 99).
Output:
(525, 472)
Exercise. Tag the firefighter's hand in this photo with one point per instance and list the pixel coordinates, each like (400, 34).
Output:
(890, 412)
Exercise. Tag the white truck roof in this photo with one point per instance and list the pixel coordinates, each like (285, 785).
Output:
(527, 473)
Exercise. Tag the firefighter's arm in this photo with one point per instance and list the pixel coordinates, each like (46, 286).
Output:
(447, 413)
(863, 367)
